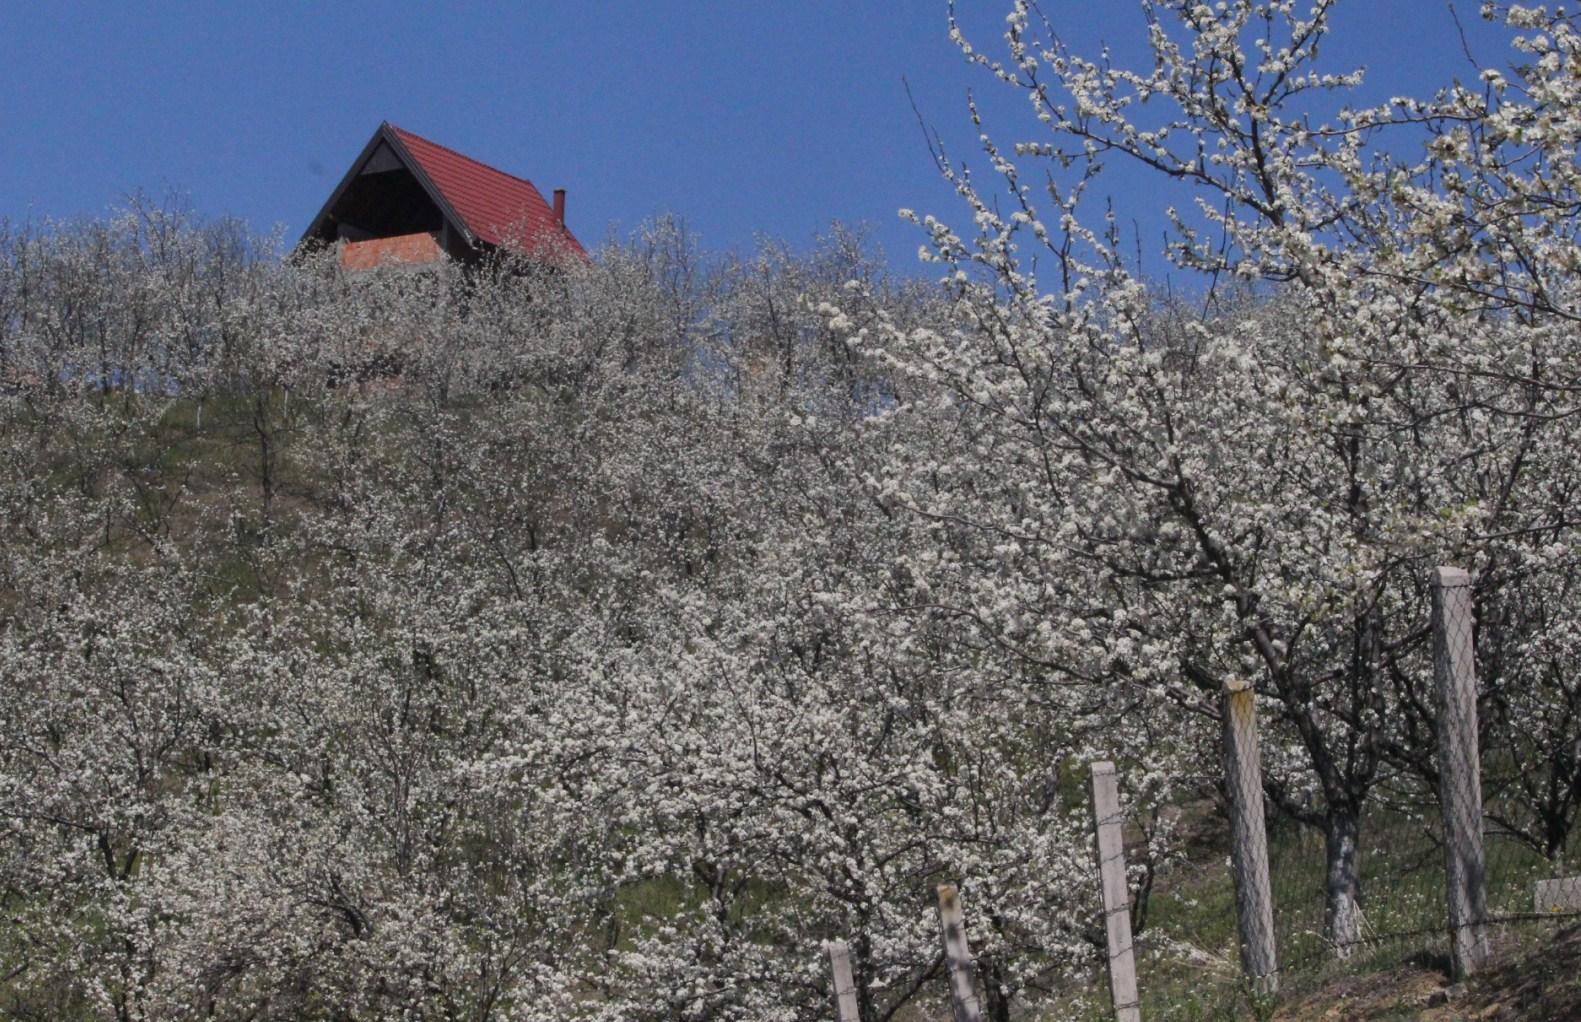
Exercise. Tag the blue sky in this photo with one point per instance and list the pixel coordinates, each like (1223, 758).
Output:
(742, 118)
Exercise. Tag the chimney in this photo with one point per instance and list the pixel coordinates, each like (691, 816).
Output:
(559, 207)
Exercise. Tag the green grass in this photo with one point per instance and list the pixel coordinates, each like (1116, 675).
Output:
(1188, 960)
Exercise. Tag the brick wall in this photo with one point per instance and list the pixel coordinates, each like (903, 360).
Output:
(401, 250)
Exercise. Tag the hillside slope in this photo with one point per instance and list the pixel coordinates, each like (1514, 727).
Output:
(1541, 983)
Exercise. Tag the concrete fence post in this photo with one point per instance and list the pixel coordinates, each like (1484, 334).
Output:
(844, 985)
(1243, 779)
(958, 956)
(1459, 769)
(1116, 892)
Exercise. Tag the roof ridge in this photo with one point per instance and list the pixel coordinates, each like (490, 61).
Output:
(461, 155)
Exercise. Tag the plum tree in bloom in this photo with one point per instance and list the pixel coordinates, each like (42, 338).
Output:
(499, 647)
(595, 642)
(1153, 501)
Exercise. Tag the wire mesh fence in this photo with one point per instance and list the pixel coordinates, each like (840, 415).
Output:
(1403, 875)
(1396, 883)
(1434, 859)
(1462, 844)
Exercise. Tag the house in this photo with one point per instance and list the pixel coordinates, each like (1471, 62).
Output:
(407, 200)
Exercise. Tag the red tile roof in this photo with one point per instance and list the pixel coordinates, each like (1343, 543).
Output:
(498, 208)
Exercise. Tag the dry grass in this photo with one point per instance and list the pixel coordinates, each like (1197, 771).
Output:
(1534, 980)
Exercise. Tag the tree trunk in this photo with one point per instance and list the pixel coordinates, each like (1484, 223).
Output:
(264, 429)
(1342, 882)
(994, 990)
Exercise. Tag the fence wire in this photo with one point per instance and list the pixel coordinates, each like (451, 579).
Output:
(1458, 846)
(1465, 847)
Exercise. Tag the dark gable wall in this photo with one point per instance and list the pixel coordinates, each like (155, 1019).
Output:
(382, 205)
